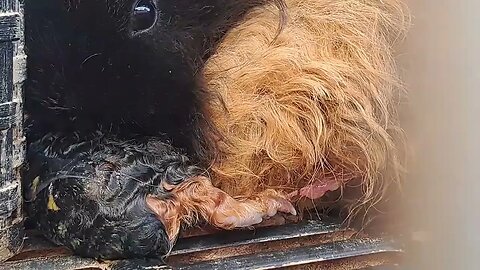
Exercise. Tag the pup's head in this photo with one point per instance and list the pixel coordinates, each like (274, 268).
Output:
(94, 196)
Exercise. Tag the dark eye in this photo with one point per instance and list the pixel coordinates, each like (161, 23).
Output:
(144, 15)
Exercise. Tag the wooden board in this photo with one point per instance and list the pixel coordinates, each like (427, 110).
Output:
(12, 142)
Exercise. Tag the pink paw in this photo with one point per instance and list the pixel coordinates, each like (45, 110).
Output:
(240, 214)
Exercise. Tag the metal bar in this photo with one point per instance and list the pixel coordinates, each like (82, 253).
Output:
(300, 256)
(237, 238)
(292, 246)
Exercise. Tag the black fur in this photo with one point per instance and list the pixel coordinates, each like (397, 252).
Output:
(101, 103)
(89, 193)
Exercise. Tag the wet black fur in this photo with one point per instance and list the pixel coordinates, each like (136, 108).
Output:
(98, 187)
(109, 113)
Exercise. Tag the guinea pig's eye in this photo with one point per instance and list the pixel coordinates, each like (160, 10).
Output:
(144, 15)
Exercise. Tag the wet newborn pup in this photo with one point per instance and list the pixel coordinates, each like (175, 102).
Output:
(116, 126)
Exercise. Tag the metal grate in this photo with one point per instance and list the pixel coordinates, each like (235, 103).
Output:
(311, 244)
(12, 146)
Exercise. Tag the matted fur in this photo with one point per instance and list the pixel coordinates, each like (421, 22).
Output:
(315, 102)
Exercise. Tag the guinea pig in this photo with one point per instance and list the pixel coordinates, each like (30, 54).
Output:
(311, 109)
(117, 127)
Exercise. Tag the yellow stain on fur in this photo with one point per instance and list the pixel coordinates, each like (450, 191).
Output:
(51, 205)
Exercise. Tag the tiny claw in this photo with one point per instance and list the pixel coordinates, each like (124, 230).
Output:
(287, 207)
(284, 206)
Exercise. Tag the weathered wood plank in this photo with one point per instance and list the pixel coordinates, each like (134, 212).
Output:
(12, 146)
(9, 6)
(9, 196)
(10, 27)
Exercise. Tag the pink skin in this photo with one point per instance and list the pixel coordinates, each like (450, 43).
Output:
(316, 190)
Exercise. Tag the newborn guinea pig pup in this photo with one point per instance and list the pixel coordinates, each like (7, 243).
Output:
(113, 110)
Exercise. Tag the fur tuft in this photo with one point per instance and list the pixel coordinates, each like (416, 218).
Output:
(316, 101)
